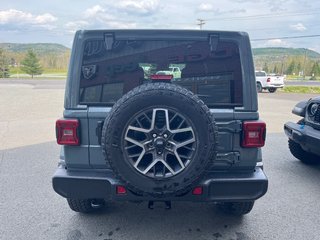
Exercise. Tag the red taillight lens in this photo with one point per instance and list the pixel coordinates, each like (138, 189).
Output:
(197, 191)
(121, 190)
(268, 79)
(254, 134)
(67, 132)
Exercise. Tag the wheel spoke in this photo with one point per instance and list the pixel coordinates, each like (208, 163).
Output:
(153, 120)
(186, 142)
(130, 147)
(151, 166)
(167, 166)
(189, 148)
(181, 123)
(139, 129)
(134, 155)
(139, 159)
(179, 160)
(153, 148)
(147, 117)
(139, 123)
(188, 129)
(134, 141)
(167, 119)
(174, 116)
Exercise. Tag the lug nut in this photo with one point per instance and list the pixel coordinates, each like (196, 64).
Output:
(165, 135)
(159, 153)
(154, 135)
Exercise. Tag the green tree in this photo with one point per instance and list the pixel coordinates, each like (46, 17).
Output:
(4, 65)
(265, 67)
(315, 69)
(291, 67)
(275, 69)
(31, 65)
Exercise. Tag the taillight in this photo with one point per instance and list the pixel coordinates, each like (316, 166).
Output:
(67, 131)
(197, 191)
(268, 79)
(161, 77)
(120, 190)
(254, 134)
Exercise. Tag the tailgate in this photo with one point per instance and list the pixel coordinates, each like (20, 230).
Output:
(276, 80)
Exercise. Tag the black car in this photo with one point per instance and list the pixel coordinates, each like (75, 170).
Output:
(304, 136)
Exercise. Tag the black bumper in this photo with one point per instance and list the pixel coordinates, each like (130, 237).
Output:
(306, 136)
(216, 186)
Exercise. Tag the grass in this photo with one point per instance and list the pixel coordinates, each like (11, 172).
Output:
(300, 78)
(301, 89)
(55, 71)
(47, 73)
(42, 76)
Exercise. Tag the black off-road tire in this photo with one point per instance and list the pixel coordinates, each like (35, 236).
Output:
(159, 96)
(305, 157)
(272, 90)
(85, 205)
(236, 208)
(259, 87)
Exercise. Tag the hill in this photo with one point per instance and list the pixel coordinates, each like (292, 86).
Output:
(277, 60)
(288, 52)
(259, 53)
(39, 48)
(290, 61)
(52, 56)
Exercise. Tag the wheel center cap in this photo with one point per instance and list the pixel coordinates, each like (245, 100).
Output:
(159, 143)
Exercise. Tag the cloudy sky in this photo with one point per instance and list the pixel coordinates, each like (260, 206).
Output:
(269, 22)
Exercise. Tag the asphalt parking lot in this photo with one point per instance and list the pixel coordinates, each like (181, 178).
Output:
(30, 209)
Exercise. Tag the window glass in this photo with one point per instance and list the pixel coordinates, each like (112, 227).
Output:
(214, 75)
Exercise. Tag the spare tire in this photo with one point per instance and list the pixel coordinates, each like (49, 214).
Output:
(159, 138)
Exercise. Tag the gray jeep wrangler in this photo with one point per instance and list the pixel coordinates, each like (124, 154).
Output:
(129, 133)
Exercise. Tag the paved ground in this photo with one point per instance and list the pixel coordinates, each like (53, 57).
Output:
(29, 208)
(28, 112)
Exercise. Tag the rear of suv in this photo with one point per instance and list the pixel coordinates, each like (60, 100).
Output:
(130, 133)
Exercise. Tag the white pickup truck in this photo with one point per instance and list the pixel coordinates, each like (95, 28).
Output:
(271, 82)
(174, 71)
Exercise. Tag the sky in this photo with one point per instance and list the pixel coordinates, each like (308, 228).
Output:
(270, 23)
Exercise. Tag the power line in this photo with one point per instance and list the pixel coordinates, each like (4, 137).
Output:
(279, 14)
(292, 37)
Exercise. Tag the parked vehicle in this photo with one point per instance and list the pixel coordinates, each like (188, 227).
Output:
(174, 71)
(304, 136)
(270, 82)
(131, 136)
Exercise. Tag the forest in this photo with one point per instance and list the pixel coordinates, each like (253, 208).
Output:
(293, 62)
(300, 63)
(53, 58)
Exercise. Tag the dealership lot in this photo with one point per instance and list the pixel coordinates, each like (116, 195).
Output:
(30, 209)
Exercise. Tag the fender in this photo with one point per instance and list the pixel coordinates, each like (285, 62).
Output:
(300, 108)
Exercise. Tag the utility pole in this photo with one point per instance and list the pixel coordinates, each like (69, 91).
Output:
(304, 63)
(201, 22)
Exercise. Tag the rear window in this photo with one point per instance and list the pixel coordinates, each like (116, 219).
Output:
(261, 74)
(109, 72)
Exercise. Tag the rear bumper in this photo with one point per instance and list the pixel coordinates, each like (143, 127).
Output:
(216, 186)
(306, 136)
